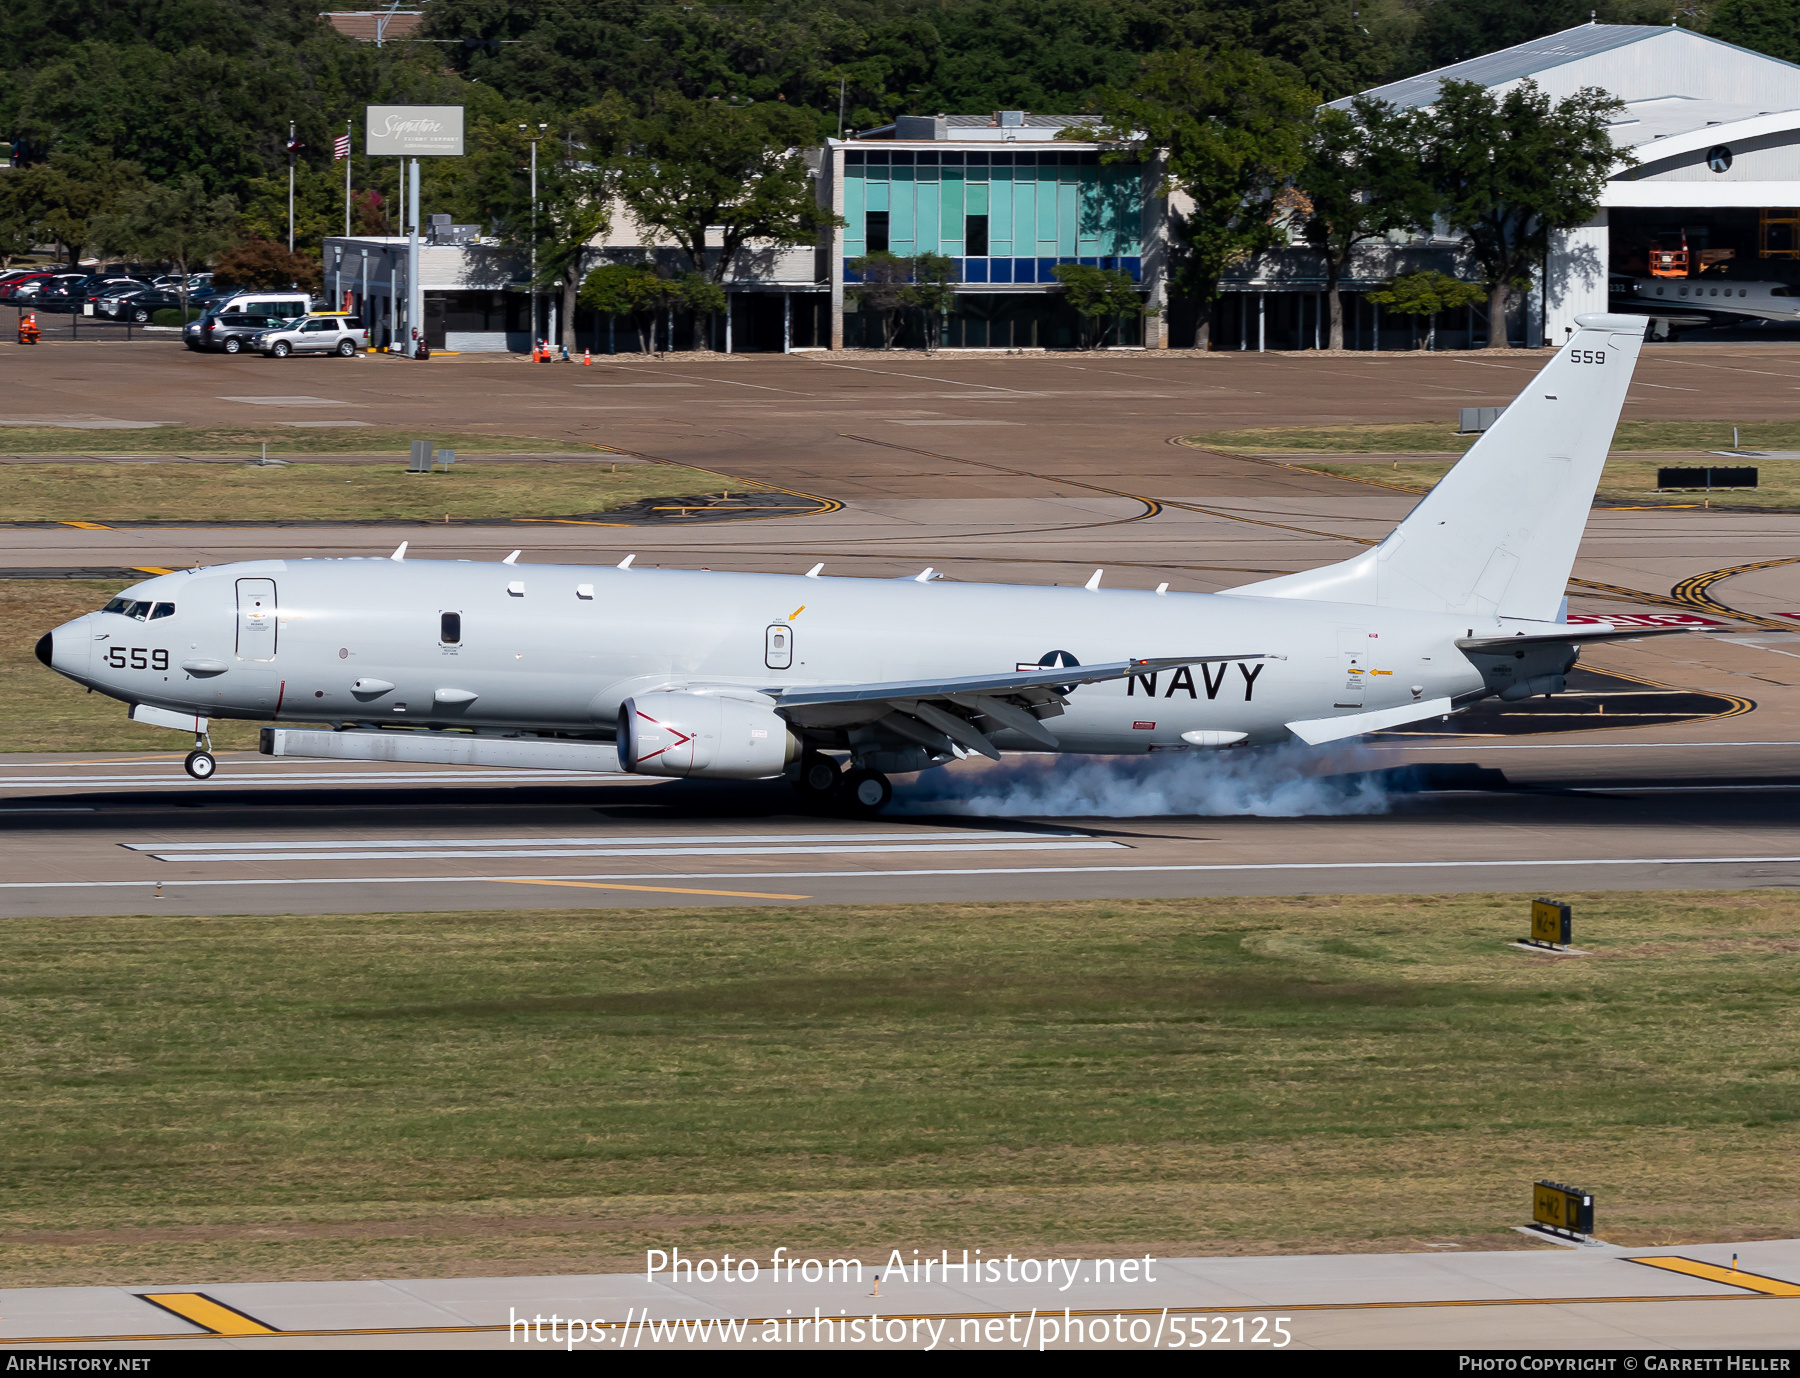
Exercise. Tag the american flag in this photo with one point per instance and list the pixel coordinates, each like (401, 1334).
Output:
(341, 149)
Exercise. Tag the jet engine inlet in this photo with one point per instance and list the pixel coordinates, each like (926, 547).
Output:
(704, 736)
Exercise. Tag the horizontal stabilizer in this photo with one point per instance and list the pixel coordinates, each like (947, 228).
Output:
(1567, 636)
(1318, 731)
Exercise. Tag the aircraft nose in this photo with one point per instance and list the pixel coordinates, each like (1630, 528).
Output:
(46, 648)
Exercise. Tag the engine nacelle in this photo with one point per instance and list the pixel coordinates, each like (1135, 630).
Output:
(704, 736)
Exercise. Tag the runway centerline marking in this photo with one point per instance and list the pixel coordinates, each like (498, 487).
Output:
(1713, 1272)
(660, 889)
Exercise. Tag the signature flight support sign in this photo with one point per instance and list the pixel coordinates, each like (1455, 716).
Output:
(414, 131)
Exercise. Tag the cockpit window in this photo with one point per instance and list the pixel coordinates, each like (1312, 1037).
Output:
(162, 610)
(118, 605)
(127, 607)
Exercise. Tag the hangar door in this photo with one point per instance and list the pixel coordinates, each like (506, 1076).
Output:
(256, 620)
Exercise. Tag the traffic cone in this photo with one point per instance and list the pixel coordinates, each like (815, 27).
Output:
(587, 358)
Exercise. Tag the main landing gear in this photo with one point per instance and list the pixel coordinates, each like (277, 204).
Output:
(200, 763)
(865, 792)
(823, 782)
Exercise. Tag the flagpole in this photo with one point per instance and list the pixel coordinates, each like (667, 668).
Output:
(347, 162)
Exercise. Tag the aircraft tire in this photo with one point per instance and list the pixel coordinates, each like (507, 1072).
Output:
(819, 775)
(865, 792)
(200, 765)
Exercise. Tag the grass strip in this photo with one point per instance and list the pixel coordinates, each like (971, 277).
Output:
(328, 492)
(1623, 482)
(241, 1098)
(283, 441)
(1427, 437)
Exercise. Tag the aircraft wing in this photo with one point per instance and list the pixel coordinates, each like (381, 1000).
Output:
(959, 711)
(1571, 636)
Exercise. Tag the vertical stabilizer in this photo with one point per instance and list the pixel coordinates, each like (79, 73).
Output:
(1497, 536)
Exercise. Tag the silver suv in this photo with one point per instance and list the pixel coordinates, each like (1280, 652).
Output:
(326, 333)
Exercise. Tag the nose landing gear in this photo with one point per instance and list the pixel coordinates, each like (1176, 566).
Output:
(200, 763)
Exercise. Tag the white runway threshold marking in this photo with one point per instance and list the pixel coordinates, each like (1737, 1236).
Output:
(823, 844)
(889, 875)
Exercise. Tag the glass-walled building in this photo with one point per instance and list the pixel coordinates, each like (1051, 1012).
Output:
(1006, 201)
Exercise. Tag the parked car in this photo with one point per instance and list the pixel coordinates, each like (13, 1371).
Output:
(137, 305)
(284, 303)
(231, 332)
(56, 293)
(27, 286)
(99, 288)
(326, 333)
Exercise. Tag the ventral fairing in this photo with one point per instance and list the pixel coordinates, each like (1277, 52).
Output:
(839, 683)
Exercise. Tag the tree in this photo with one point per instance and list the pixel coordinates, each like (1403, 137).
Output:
(264, 263)
(176, 223)
(1511, 167)
(638, 292)
(931, 288)
(1426, 294)
(1768, 26)
(72, 197)
(1232, 127)
(1101, 296)
(1362, 177)
(696, 166)
(881, 287)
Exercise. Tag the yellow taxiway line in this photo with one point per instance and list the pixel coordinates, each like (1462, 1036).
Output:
(655, 889)
(228, 1316)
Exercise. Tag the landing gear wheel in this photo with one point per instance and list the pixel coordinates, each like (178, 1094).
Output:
(818, 776)
(865, 791)
(345, 348)
(200, 765)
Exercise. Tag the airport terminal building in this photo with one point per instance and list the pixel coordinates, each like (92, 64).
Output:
(999, 194)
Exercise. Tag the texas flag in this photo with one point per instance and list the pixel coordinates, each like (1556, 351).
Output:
(340, 149)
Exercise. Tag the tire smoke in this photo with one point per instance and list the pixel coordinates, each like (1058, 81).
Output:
(1287, 781)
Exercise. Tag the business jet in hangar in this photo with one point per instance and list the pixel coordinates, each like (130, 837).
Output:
(1677, 304)
(839, 683)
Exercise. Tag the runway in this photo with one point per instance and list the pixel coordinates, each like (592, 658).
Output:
(1737, 1298)
(132, 835)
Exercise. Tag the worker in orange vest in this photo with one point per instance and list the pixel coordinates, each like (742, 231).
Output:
(28, 329)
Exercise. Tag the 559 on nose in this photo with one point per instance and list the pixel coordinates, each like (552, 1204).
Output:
(139, 658)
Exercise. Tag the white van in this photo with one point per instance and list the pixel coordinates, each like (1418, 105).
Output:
(284, 304)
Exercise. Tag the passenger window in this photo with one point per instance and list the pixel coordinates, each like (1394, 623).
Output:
(162, 610)
(450, 628)
(353, 323)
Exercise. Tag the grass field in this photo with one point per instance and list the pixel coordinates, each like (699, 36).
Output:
(230, 1098)
(283, 441)
(327, 492)
(1441, 438)
(1624, 483)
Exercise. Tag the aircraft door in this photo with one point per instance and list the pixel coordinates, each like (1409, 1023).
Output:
(778, 647)
(1353, 653)
(256, 619)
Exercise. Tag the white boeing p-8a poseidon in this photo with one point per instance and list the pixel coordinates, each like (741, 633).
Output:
(756, 676)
